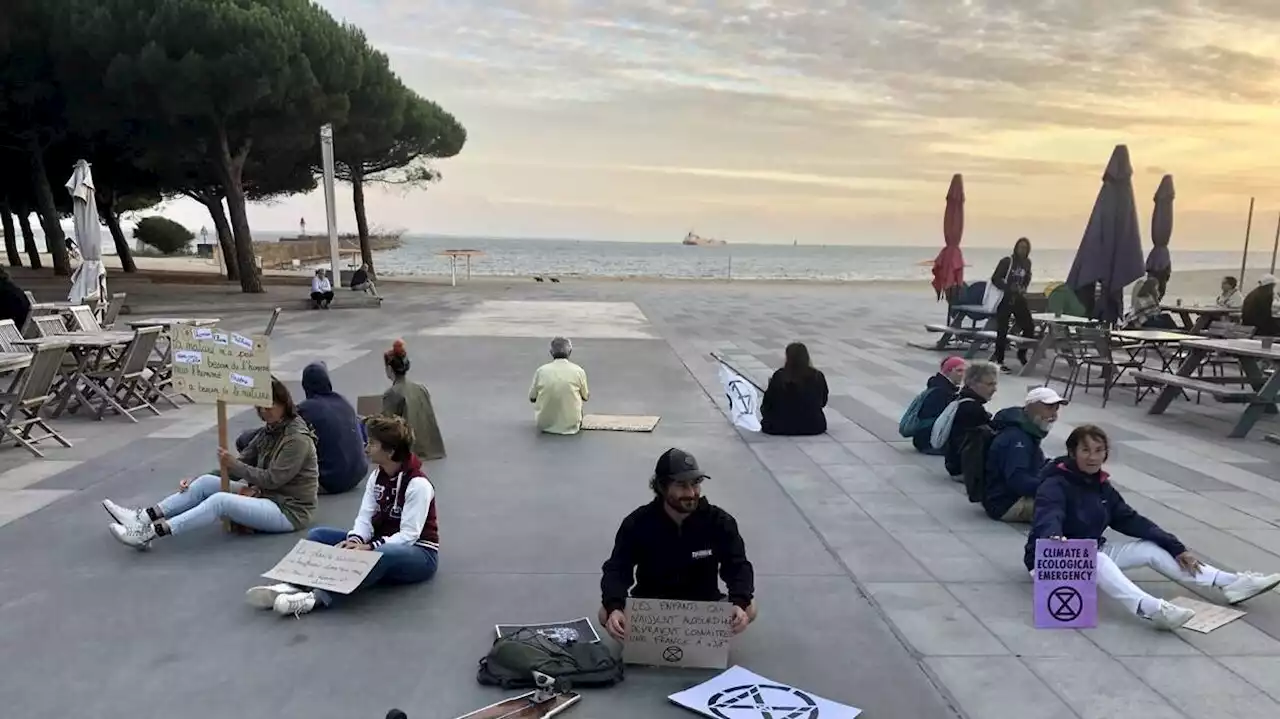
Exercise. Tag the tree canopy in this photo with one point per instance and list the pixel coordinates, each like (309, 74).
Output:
(216, 100)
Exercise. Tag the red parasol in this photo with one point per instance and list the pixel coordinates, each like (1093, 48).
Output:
(948, 266)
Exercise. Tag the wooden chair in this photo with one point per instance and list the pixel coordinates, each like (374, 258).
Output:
(1092, 348)
(9, 334)
(31, 297)
(84, 320)
(271, 324)
(49, 326)
(112, 311)
(127, 379)
(20, 410)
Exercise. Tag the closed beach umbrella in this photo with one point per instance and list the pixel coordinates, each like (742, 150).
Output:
(1159, 261)
(90, 279)
(1110, 252)
(948, 266)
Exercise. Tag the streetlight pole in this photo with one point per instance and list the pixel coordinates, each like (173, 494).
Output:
(330, 211)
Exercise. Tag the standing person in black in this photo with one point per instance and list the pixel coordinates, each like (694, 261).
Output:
(795, 397)
(674, 547)
(1013, 276)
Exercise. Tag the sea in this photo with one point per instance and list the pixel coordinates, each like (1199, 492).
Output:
(420, 254)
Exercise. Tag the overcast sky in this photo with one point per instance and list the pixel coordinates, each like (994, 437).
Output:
(824, 121)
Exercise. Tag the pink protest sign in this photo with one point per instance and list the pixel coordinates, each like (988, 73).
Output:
(1066, 584)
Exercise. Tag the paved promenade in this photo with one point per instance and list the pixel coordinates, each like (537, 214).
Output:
(880, 586)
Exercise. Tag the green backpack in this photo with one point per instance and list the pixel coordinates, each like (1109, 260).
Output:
(513, 659)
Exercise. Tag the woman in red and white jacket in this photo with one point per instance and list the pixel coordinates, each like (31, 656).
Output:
(397, 519)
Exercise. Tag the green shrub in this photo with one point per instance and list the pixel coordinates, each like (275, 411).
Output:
(165, 235)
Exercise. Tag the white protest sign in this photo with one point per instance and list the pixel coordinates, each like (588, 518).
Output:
(676, 633)
(319, 566)
(741, 693)
(744, 399)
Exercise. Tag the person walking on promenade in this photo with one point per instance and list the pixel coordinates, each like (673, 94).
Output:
(1013, 277)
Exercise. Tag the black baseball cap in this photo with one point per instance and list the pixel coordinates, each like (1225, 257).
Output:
(677, 465)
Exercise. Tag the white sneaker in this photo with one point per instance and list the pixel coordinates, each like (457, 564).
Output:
(295, 604)
(1170, 616)
(126, 516)
(1249, 585)
(264, 597)
(137, 536)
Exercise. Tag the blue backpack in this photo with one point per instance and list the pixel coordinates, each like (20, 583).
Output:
(911, 424)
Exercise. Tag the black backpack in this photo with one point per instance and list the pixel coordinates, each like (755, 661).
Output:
(513, 659)
(973, 461)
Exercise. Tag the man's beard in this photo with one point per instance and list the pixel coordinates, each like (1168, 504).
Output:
(682, 505)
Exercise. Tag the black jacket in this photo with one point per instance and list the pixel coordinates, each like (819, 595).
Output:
(1256, 311)
(677, 561)
(794, 407)
(1012, 274)
(339, 444)
(968, 416)
(940, 393)
(1076, 505)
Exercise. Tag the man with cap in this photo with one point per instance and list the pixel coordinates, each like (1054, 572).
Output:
(940, 390)
(1015, 460)
(674, 547)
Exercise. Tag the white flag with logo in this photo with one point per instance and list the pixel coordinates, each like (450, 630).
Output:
(744, 399)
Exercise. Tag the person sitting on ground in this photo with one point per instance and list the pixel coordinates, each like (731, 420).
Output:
(793, 401)
(274, 489)
(1015, 460)
(321, 291)
(558, 390)
(673, 547)
(981, 378)
(339, 441)
(1078, 501)
(397, 519)
(412, 401)
(939, 391)
(1258, 309)
(362, 281)
(1231, 297)
(1144, 311)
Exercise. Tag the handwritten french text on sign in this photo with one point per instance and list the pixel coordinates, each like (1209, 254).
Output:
(1066, 584)
(211, 365)
(673, 633)
(319, 566)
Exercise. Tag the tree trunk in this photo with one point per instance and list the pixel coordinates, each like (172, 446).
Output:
(29, 240)
(54, 239)
(10, 236)
(362, 221)
(213, 203)
(106, 200)
(230, 167)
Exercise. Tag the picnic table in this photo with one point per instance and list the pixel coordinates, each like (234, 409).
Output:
(87, 349)
(1259, 400)
(1049, 338)
(1204, 315)
(453, 256)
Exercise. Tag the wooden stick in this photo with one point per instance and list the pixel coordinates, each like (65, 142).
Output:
(222, 443)
(1275, 246)
(1244, 259)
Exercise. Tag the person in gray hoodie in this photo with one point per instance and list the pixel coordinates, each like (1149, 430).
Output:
(339, 445)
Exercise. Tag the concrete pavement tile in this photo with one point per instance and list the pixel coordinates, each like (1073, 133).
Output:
(858, 478)
(850, 431)
(947, 558)
(37, 470)
(827, 453)
(1176, 474)
(997, 688)
(1252, 504)
(914, 480)
(1162, 514)
(1239, 638)
(873, 555)
(1227, 552)
(1122, 634)
(869, 419)
(782, 457)
(1201, 687)
(1268, 539)
(875, 453)
(896, 512)
(18, 503)
(1210, 512)
(1132, 480)
(1101, 688)
(933, 621)
(1005, 608)
(1262, 672)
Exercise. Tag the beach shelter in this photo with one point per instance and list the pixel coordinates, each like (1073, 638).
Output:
(1158, 260)
(89, 281)
(948, 266)
(1110, 253)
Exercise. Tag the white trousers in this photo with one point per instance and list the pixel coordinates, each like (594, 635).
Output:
(1114, 558)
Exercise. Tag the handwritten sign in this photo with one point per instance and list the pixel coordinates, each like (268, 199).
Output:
(319, 566)
(1066, 584)
(673, 633)
(210, 364)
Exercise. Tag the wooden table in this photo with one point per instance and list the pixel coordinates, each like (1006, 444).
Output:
(1248, 353)
(1051, 321)
(164, 351)
(1204, 315)
(10, 361)
(87, 349)
(453, 256)
(168, 322)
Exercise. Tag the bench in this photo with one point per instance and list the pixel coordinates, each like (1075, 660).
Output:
(1221, 392)
(957, 331)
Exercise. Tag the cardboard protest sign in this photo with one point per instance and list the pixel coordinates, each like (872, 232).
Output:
(741, 693)
(1208, 616)
(1066, 584)
(675, 633)
(319, 566)
(210, 364)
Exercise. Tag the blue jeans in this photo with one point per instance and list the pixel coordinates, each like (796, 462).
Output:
(204, 503)
(399, 564)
